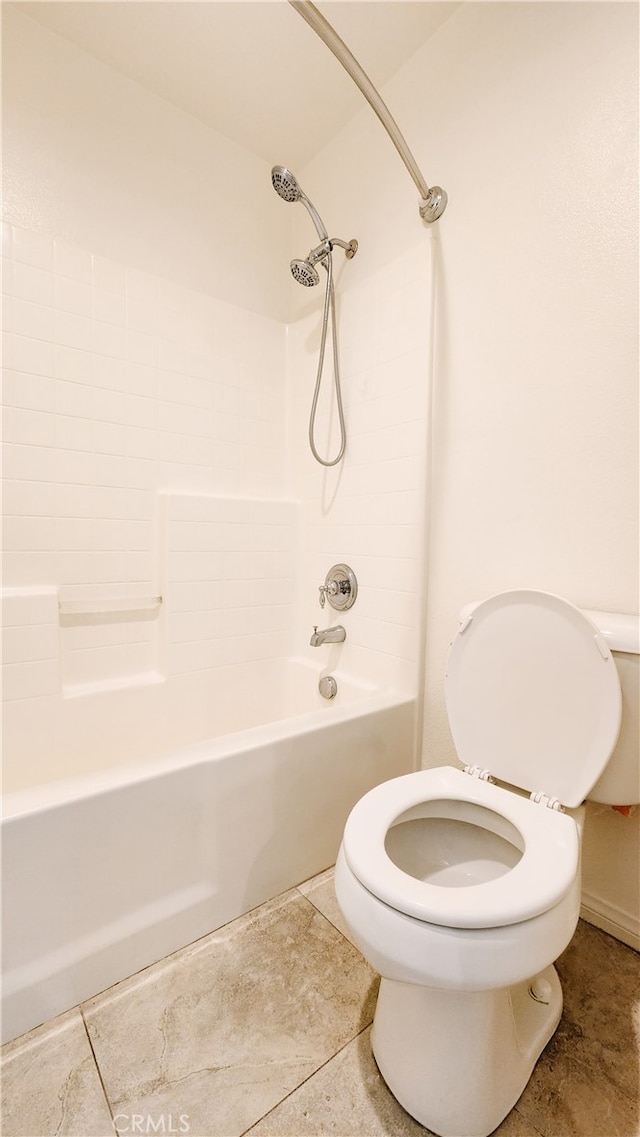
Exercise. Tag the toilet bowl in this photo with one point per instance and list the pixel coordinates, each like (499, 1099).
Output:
(461, 887)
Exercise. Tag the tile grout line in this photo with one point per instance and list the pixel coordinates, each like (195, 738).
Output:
(329, 921)
(336, 1052)
(245, 1132)
(527, 1121)
(98, 1070)
(334, 926)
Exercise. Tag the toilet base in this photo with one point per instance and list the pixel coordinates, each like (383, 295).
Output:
(458, 1061)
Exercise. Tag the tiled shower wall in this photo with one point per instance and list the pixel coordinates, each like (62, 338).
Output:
(229, 583)
(153, 436)
(370, 510)
(117, 385)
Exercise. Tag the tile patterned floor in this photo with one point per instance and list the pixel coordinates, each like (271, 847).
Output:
(263, 1028)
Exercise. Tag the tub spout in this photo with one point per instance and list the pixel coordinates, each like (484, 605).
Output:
(335, 635)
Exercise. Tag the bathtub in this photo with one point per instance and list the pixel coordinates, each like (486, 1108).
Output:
(108, 871)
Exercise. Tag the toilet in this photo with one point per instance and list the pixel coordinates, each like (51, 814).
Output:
(461, 887)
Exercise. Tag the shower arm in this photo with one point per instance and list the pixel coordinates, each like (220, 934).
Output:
(433, 201)
(323, 250)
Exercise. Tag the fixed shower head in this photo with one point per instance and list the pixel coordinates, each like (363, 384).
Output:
(288, 188)
(304, 273)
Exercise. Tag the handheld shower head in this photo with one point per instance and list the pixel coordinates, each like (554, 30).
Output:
(288, 188)
(285, 184)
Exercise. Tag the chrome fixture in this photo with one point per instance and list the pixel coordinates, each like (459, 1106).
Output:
(328, 687)
(335, 635)
(288, 188)
(304, 271)
(340, 588)
(433, 202)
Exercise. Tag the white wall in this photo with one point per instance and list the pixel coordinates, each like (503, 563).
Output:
(94, 159)
(526, 114)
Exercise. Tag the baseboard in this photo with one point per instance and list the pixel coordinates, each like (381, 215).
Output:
(624, 926)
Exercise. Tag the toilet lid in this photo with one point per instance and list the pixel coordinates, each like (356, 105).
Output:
(533, 694)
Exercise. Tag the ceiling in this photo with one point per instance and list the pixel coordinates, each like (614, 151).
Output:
(251, 69)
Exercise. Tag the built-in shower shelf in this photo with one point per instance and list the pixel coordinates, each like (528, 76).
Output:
(110, 604)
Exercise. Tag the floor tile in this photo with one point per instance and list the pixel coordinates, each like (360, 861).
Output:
(263, 1028)
(601, 983)
(587, 1080)
(349, 1098)
(50, 1084)
(346, 1098)
(224, 1030)
(320, 891)
(515, 1125)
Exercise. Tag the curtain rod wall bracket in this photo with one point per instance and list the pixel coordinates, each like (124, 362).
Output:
(433, 206)
(433, 201)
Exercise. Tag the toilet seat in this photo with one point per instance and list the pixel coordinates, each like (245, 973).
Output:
(542, 877)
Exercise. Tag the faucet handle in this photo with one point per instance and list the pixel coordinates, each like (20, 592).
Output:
(330, 589)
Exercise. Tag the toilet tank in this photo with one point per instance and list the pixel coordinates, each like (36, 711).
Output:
(620, 782)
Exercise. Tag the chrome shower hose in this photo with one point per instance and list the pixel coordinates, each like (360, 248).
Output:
(329, 305)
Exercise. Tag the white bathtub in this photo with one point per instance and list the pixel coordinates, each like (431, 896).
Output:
(107, 872)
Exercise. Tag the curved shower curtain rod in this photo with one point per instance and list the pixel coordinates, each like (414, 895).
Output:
(433, 201)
